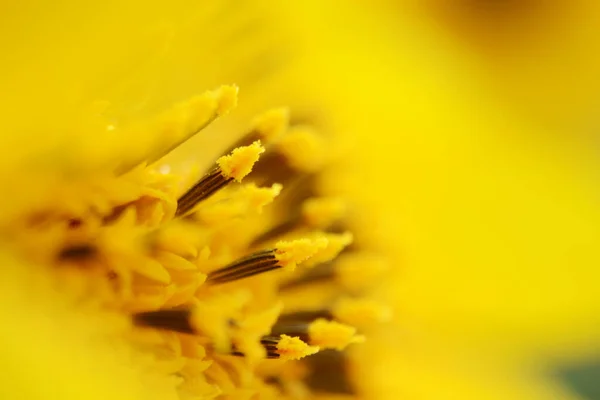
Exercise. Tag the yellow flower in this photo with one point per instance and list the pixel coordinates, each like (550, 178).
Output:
(132, 275)
(193, 259)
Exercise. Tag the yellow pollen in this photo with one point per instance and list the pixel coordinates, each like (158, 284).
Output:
(246, 200)
(332, 335)
(258, 197)
(289, 254)
(292, 348)
(171, 248)
(336, 242)
(239, 163)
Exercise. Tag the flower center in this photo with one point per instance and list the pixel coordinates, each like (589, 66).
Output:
(207, 267)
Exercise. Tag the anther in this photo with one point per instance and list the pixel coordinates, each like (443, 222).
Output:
(322, 332)
(284, 347)
(285, 255)
(181, 122)
(233, 167)
(176, 319)
(245, 267)
(207, 186)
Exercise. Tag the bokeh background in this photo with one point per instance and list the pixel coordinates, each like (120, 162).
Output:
(467, 129)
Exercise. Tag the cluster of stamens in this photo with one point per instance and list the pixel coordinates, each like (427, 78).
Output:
(204, 261)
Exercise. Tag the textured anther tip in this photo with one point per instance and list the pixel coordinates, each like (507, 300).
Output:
(234, 166)
(258, 197)
(336, 242)
(292, 348)
(332, 335)
(271, 124)
(289, 254)
(227, 97)
(239, 163)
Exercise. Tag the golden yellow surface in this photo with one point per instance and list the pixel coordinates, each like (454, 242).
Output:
(467, 135)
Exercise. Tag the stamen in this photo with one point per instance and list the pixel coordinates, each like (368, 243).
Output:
(245, 267)
(247, 200)
(229, 168)
(300, 151)
(266, 127)
(288, 348)
(286, 255)
(332, 334)
(207, 186)
(292, 328)
(292, 253)
(77, 252)
(283, 347)
(177, 320)
(321, 332)
(336, 243)
(354, 271)
(199, 112)
(178, 124)
(277, 231)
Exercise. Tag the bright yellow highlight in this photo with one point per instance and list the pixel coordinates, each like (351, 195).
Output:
(249, 199)
(292, 348)
(332, 335)
(289, 254)
(336, 242)
(239, 163)
(179, 123)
